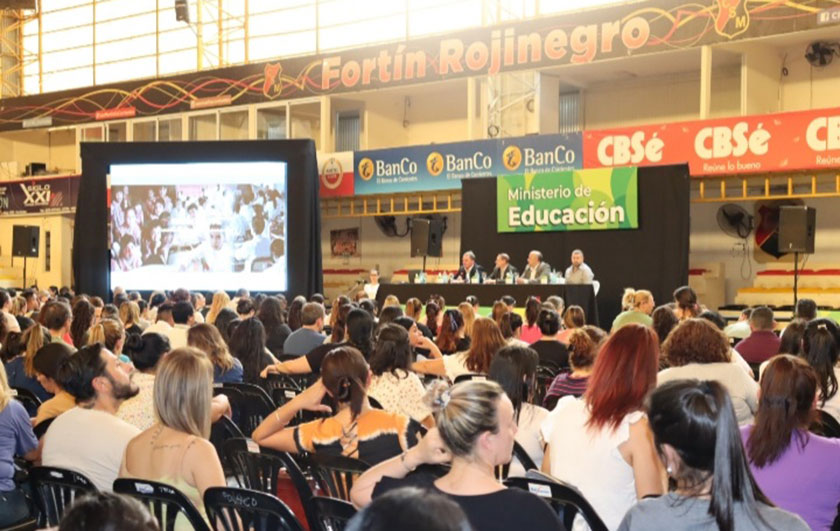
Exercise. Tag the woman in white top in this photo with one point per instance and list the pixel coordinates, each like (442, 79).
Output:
(515, 369)
(487, 340)
(820, 350)
(602, 443)
(697, 349)
(393, 385)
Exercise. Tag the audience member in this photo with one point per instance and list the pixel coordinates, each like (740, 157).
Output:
(176, 450)
(696, 349)
(552, 353)
(487, 340)
(276, 329)
(515, 369)
(740, 328)
(511, 327)
(57, 317)
(145, 353)
(573, 319)
(805, 309)
(110, 333)
(16, 440)
(388, 314)
(468, 314)
(206, 338)
(47, 362)
(820, 349)
(15, 361)
(399, 509)
(308, 336)
(222, 322)
(685, 303)
(790, 341)
(6, 312)
(696, 437)
(390, 300)
(183, 317)
(602, 444)
(582, 353)
(245, 308)
(220, 300)
(106, 511)
(338, 317)
(420, 344)
(247, 344)
(798, 470)
(83, 317)
(531, 330)
(637, 305)
(762, 343)
(295, 310)
(392, 383)
(130, 317)
(414, 309)
(163, 320)
(434, 315)
(476, 429)
(356, 430)
(557, 302)
(89, 438)
(451, 333)
(720, 323)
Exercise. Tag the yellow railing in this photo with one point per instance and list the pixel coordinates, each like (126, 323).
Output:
(434, 202)
(751, 188)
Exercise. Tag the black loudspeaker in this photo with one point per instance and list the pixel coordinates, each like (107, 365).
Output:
(25, 241)
(426, 237)
(182, 11)
(797, 226)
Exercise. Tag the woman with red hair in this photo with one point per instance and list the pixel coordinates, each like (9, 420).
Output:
(602, 444)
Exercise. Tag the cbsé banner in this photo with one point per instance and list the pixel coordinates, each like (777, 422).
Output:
(792, 141)
(599, 199)
(443, 166)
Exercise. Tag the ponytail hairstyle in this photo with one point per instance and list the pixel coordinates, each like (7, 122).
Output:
(34, 337)
(338, 320)
(632, 298)
(788, 388)
(697, 420)
(515, 369)
(820, 350)
(499, 311)
(146, 351)
(447, 336)
(532, 310)
(464, 411)
(432, 311)
(791, 338)
(345, 373)
(686, 300)
(109, 332)
(413, 306)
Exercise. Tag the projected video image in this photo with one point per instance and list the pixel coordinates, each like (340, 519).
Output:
(203, 226)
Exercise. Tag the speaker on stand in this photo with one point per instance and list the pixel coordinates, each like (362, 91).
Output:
(797, 228)
(426, 238)
(25, 243)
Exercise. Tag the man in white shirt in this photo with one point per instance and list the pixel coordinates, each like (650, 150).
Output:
(578, 272)
(183, 316)
(164, 321)
(89, 438)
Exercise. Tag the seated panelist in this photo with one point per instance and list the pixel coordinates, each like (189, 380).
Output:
(469, 272)
(502, 270)
(535, 270)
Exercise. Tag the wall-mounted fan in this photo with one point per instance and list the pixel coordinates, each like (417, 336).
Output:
(820, 54)
(735, 221)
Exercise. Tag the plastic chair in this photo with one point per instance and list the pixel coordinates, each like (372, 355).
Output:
(300, 481)
(253, 470)
(249, 408)
(282, 395)
(826, 425)
(545, 376)
(42, 427)
(29, 400)
(222, 430)
(232, 509)
(334, 473)
(331, 514)
(561, 496)
(295, 381)
(164, 502)
(469, 377)
(55, 489)
(520, 455)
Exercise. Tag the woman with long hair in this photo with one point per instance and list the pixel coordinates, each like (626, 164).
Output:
(664, 320)
(696, 436)
(515, 369)
(573, 319)
(223, 321)
(338, 318)
(791, 337)
(551, 351)
(511, 326)
(601, 444)
(271, 316)
(433, 317)
(487, 340)
(451, 337)
(176, 449)
(797, 469)
(820, 348)
(685, 303)
(468, 313)
(355, 430)
(531, 330)
(83, 316)
(247, 344)
(220, 300)
(110, 333)
(206, 338)
(295, 308)
(393, 384)
(498, 311)
(18, 440)
(475, 431)
(414, 309)
(130, 317)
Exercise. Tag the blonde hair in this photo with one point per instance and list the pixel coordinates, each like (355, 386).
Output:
(413, 307)
(220, 300)
(108, 332)
(468, 313)
(183, 391)
(207, 338)
(34, 337)
(464, 411)
(5, 390)
(129, 313)
(18, 305)
(632, 298)
(390, 300)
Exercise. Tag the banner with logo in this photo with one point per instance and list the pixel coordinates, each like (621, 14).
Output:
(598, 199)
(808, 140)
(44, 195)
(540, 153)
(336, 173)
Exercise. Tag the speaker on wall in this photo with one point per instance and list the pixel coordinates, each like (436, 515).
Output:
(426, 237)
(25, 240)
(797, 227)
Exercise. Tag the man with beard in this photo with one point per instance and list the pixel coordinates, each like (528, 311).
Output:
(89, 438)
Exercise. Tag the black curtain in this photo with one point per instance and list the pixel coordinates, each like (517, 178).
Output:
(653, 257)
(91, 261)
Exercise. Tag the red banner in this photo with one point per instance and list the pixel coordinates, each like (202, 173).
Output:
(336, 173)
(792, 141)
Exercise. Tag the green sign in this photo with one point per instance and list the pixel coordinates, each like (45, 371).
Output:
(597, 199)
